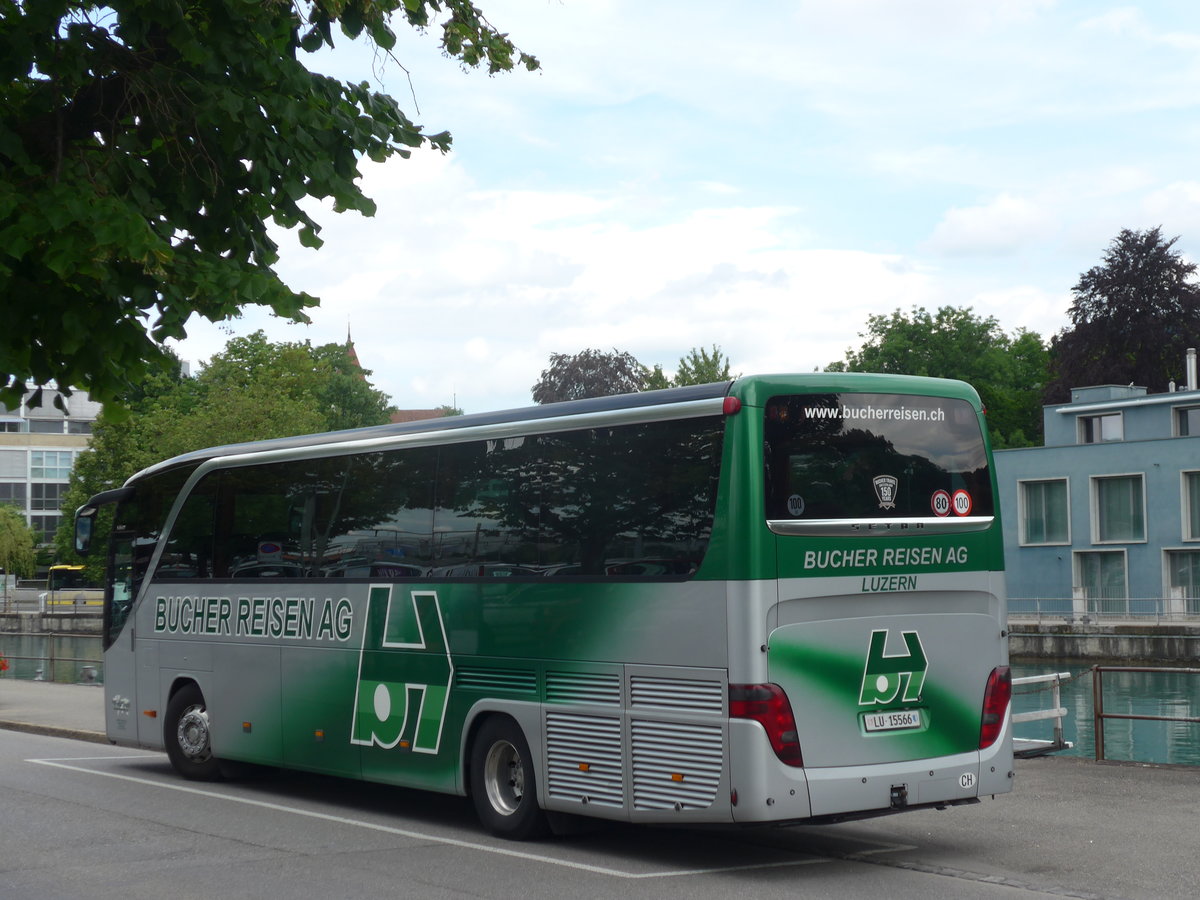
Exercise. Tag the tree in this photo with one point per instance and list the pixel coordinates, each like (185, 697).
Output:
(1007, 370)
(698, 367)
(589, 373)
(16, 547)
(146, 144)
(1132, 320)
(254, 389)
(701, 367)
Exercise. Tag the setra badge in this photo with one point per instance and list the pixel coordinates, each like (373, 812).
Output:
(885, 490)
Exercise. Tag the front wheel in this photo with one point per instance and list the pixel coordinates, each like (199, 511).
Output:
(188, 737)
(503, 785)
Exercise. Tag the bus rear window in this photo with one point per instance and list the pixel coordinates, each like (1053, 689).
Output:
(872, 457)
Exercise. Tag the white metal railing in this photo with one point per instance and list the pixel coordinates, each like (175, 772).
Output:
(1031, 746)
(1124, 609)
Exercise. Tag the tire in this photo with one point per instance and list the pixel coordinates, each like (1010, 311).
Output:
(188, 738)
(503, 781)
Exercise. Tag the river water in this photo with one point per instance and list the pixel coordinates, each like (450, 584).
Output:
(1127, 693)
(64, 658)
(72, 659)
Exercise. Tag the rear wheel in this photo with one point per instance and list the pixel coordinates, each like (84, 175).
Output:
(503, 785)
(188, 737)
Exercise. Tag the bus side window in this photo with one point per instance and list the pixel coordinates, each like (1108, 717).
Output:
(137, 526)
(383, 525)
(189, 548)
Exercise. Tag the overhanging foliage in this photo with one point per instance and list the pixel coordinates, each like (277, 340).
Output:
(145, 145)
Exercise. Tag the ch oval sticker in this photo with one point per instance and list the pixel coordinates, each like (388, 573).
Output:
(967, 780)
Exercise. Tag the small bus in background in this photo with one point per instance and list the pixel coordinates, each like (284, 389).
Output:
(68, 589)
(778, 599)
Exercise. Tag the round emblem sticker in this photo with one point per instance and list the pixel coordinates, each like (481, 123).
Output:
(796, 505)
(962, 503)
(940, 503)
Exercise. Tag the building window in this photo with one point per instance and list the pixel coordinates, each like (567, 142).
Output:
(1044, 512)
(1183, 574)
(77, 427)
(1187, 421)
(46, 426)
(1101, 576)
(1190, 494)
(1097, 429)
(13, 495)
(1184, 571)
(46, 496)
(1119, 509)
(50, 464)
(44, 527)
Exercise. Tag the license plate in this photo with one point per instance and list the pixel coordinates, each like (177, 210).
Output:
(892, 721)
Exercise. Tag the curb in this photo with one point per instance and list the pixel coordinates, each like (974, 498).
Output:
(75, 734)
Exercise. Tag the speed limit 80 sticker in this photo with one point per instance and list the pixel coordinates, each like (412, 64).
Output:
(940, 501)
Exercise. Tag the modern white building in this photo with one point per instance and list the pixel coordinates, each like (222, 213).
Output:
(38, 447)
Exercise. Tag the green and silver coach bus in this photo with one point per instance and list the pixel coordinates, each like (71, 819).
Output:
(777, 599)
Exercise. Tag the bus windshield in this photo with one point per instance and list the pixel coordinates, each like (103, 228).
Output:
(850, 456)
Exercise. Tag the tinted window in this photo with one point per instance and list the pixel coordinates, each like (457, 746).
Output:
(627, 501)
(384, 525)
(488, 512)
(872, 456)
(137, 527)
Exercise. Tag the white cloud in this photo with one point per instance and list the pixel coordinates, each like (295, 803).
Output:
(1176, 207)
(679, 176)
(997, 228)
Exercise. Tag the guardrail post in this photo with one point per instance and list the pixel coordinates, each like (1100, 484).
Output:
(1056, 693)
(1098, 711)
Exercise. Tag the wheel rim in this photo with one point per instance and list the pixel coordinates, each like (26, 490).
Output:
(504, 778)
(192, 734)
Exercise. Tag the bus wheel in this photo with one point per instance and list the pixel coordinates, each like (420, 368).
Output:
(503, 785)
(187, 736)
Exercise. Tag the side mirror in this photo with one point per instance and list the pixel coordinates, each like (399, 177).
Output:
(83, 531)
(85, 516)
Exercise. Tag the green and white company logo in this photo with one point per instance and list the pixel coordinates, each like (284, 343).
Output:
(899, 675)
(409, 712)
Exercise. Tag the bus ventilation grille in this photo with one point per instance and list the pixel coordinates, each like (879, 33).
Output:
(511, 681)
(592, 689)
(680, 694)
(675, 766)
(583, 759)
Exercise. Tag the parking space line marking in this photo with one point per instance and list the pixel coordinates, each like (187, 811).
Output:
(418, 835)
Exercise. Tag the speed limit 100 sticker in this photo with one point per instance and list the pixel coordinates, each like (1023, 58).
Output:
(962, 503)
(940, 503)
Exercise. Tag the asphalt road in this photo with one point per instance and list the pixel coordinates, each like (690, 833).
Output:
(82, 819)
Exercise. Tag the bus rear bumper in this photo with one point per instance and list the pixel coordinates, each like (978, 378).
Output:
(773, 792)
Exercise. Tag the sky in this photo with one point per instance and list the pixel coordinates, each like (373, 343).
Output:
(761, 177)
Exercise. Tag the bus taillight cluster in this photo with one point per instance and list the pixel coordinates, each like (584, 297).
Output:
(995, 705)
(768, 705)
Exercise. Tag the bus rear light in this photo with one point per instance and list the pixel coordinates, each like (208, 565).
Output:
(732, 406)
(995, 705)
(768, 705)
